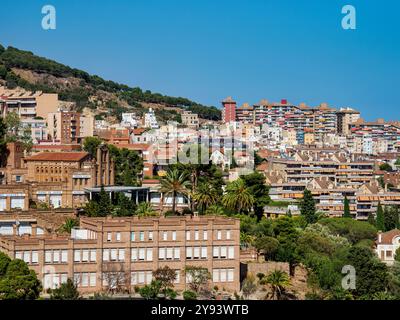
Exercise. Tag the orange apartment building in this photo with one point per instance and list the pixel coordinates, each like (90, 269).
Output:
(108, 252)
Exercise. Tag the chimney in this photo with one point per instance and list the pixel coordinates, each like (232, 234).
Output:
(379, 236)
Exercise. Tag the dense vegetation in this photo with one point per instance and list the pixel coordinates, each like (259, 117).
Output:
(89, 85)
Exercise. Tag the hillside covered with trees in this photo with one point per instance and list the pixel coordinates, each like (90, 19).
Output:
(31, 72)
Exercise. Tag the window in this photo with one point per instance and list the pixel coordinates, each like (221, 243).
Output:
(228, 234)
(230, 275)
(134, 254)
(189, 253)
(141, 277)
(85, 255)
(56, 256)
(47, 256)
(187, 235)
(142, 254)
(169, 253)
(64, 256)
(388, 253)
(92, 279)
(177, 276)
(106, 255)
(141, 236)
(85, 279)
(149, 254)
(215, 275)
(219, 235)
(196, 252)
(27, 256)
(113, 255)
(118, 236)
(35, 257)
(161, 253)
(108, 236)
(132, 236)
(223, 252)
(93, 255)
(204, 252)
(121, 254)
(231, 252)
(18, 255)
(173, 235)
(215, 252)
(205, 235)
(150, 235)
(196, 235)
(177, 253)
(165, 235)
(77, 255)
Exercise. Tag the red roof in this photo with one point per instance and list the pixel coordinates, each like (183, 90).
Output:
(58, 156)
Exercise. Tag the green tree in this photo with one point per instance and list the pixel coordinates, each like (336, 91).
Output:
(66, 291)
(128, 166)
(238, 196)
(91, 144)
(278, 281)
(166, 277)
(68, 225)
(215, 210)
(199, 277)
(125, 207)
(386, 167)
(255, 183)
(105, 205)
(307, 207)
(268, 246)
(205, 196)
(189, 295)
(13, 124)
(91, 208)
(145, 209)
(19, 283)
(372, 275)
(391, 218)
(371, 219)
(397, 255)
(3, 144)
(175, 183)
(151, 291)
(346, 213)
(4, 261)
(380, 218)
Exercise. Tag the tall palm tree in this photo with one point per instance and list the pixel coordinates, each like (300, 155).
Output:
(144, 209)
(279, 281)
(238, 196)
(205, 196)
(68, 225)
(246, 240)
(175, 183)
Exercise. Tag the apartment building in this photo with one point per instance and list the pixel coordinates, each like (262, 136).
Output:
(245, 114)
(346, 117)
(114, 253)
(190, 119)
(150, 120)
(69, 126)
(228, 110)
(27, 104)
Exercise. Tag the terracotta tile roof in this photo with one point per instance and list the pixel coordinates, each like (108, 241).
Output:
(58, 156)
(387, 237)
(138, 131)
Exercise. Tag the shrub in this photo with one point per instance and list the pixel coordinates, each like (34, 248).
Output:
(189, 295)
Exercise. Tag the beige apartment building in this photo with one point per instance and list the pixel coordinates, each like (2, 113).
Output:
(27, 104)
(346, 117)
(69, 126)
(121, 253)
(190, 119)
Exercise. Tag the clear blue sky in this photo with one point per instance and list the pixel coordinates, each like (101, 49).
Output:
(209, 49)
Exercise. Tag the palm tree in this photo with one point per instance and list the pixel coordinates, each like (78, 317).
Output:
(68, 225)
(246, 240)
(175, 183)
(279, 281)
(144, 209)
(215, 210)
(205, 196)
(238, 196)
